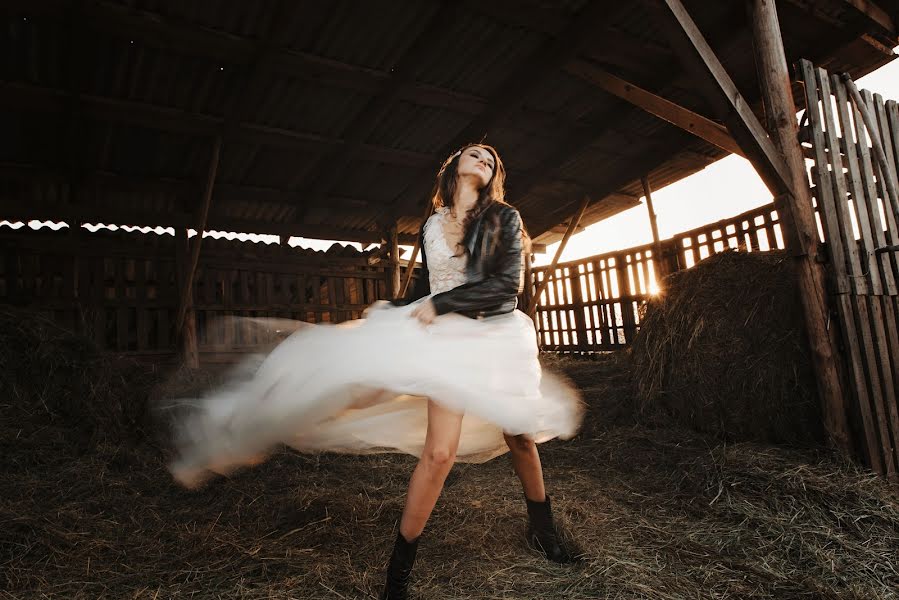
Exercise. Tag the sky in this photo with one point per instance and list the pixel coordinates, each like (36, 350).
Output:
(723, 189)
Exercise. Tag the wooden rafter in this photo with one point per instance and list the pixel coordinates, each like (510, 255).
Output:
(876, 14)
(677, 115)
(27, 97)
(879, 18)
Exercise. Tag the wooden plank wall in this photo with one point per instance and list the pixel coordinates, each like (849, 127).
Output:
(860, 219)
(120, 288)
(593, 304)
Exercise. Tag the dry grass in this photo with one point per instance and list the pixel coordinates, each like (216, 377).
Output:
(660, 513)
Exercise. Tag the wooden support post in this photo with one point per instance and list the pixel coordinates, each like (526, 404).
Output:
(797, 204)
(572, 225)
(659, 260)
(393, 262)
(187, 276)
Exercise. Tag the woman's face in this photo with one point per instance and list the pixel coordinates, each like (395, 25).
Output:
(478, 163)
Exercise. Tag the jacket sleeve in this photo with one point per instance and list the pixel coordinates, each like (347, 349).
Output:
(422, 285)
(503, 284)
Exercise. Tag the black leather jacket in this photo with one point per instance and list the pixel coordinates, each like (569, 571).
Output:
(494, 272)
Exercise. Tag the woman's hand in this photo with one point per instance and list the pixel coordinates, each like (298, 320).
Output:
(425, 312)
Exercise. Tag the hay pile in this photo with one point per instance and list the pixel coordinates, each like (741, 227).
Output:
(51, 377)
(606, 381)
(724, 351)
(661, 514)
(62, 385)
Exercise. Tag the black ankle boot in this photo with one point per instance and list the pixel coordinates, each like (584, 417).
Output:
(543, 536)
(400, 568)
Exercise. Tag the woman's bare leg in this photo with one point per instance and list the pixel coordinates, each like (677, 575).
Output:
(526, 462)
(436, 460)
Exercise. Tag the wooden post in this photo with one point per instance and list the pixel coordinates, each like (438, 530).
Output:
(184, 329)
(393, 262)
(186, 335)
(659, 260)
(795, 208)
(572, 225)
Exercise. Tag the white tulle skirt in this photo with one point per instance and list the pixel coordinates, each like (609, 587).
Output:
(363, 386)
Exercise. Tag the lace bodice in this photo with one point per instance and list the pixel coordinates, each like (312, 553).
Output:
(445, 269)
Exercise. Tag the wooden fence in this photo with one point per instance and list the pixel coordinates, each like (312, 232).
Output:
(593, 304)
(860, 217)
(120, 288)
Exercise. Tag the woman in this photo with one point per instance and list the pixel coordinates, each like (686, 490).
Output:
(462, 380)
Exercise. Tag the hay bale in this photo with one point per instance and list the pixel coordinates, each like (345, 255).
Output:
(52, 377)
(724, 351)
(606, 382)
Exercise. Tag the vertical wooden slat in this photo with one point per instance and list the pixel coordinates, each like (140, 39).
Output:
(824, 183)
(168, 301)
(890, 203)
(857, 190)
(871, 204)
(863, 398)
(121, 306)
(892, 116)
(143, 313)
(13, 287)
(99, 301)
(878, 394)
(29, 276)
(208, 276)
(845, 234)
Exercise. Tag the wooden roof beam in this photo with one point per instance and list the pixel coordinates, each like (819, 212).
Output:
(876, 15)
(666, 110)
(709, 74)
(881, 20)
(27, 97)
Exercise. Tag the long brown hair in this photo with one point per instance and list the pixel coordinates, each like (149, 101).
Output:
(494, 192)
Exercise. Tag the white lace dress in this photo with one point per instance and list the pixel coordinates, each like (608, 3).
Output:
(362, 386)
